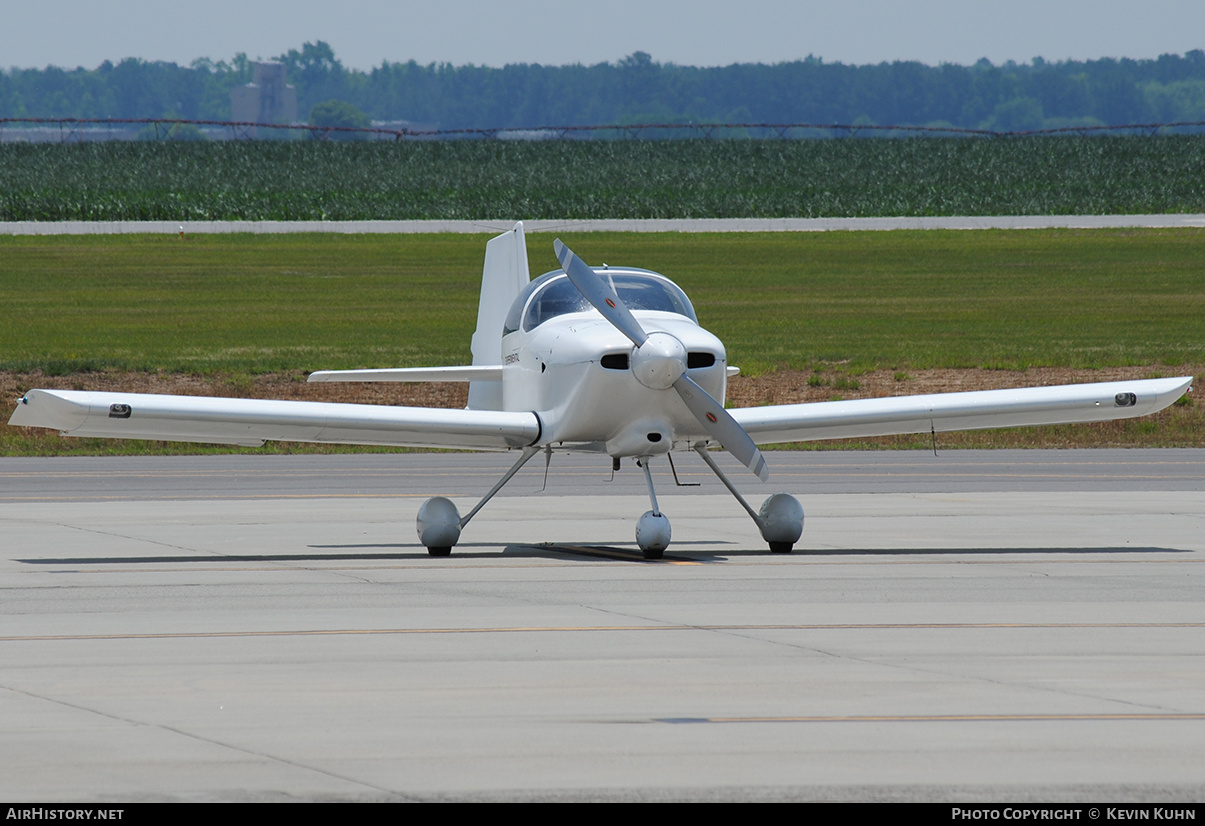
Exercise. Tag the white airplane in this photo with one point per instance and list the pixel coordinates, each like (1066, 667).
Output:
(606, 360)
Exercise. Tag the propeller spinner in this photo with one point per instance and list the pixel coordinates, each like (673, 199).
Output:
(659, 362)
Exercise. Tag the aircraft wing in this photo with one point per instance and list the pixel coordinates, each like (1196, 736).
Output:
(254, 421)
(489, 372)
(945, 412)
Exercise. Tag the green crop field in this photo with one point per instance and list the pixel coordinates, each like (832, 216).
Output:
(307, 180)
(232, 307)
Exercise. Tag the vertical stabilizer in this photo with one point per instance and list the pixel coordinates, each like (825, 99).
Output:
(505, 274)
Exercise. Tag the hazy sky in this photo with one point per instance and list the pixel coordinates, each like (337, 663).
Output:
(363, 33)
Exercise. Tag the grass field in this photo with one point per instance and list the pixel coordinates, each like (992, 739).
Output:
(307, 180)
(229, 310)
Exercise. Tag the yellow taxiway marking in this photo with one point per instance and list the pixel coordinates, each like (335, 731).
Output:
(524, 629)
(935, 718)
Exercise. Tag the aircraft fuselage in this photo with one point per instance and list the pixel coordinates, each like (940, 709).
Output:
(575, 372)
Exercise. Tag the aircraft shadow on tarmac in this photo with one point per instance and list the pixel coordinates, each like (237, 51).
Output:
(360, 553)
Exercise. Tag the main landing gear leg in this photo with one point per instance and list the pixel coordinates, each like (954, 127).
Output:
(439, 522)
(652, 528)
(780, 519)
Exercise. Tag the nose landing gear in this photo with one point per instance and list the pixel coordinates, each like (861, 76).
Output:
(652, 529)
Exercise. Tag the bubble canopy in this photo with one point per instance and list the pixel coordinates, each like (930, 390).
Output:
(553, 294)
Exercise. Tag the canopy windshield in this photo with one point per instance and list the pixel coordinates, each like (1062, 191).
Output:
(639, 290)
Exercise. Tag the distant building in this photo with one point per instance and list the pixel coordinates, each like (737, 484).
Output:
(266, 99)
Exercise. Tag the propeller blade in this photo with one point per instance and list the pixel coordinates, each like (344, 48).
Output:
(599, 293)
(723, 428)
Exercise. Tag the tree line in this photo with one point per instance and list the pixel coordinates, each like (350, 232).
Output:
(638, 89)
